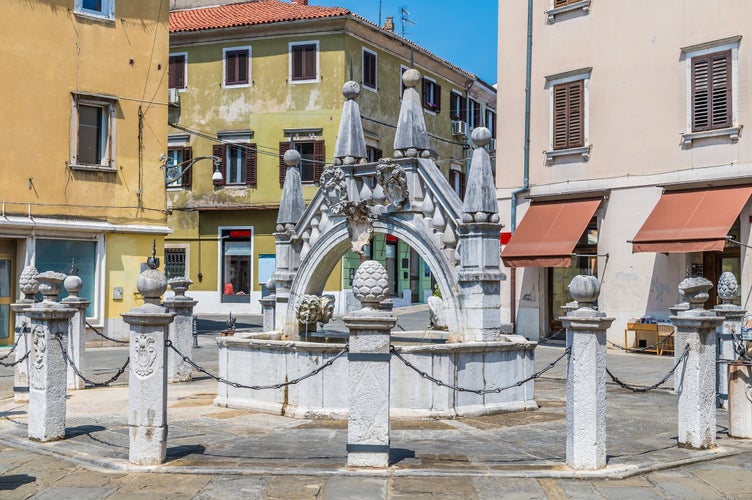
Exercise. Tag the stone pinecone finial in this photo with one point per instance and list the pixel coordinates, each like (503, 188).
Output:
(370, 284)
(28, 283)
(728, 287)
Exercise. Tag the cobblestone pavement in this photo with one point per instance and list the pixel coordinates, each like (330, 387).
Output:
(224, 453)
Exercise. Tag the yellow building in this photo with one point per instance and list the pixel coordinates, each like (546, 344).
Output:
(250, 80)
(84, 125)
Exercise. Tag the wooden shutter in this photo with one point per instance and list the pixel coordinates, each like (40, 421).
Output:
(243, 67)
(437, 97)
(250, 157)
(297, 63)
(711, 91)
(319, 157)
(463, 185)
(283, 148)
(176, 77)
(231, 73)
(187, 180)
(569, 115)
(424, 92)
(218, 150)
(309, 64)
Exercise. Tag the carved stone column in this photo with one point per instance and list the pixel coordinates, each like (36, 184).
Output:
(368, 370)
(29, 287)
(47, 374)
(586, 377)
(77, 337)
(180, 331)
(732, 325)
(696, 329)
(147, 383)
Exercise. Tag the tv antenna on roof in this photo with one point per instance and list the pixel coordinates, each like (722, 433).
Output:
(403, 17)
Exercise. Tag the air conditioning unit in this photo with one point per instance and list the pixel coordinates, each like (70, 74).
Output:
(459, 127)
(173, 98)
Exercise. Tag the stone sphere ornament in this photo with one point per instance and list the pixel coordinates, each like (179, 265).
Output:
(728, 287)
(28, 282)
(411, 78)
(371, 284)
(481, 136)
(73, 285)
(292, 157)
(351, 90)
(584, 290)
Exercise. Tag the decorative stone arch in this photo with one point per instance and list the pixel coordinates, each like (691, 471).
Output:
(327, 251)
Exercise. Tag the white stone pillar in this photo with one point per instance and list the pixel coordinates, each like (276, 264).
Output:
(77, 338)
(732, 325)
(147, 383)
(180, 331)
(267, 311)
(740, 400)
(586, 377)
(47, 377)
(29, 286)
(696, 329)
(368, 370)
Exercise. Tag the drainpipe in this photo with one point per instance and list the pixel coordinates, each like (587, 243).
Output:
(525, 158)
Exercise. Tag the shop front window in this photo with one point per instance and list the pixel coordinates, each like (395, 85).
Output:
(236, 265)
(59, 255)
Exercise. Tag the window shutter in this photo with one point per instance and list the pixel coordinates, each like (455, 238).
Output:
(218, 150)
(176, 78)
(243, 73)
(231, 61)
(283, 148)
(250, 164)
(463, 185)
(187, 180)
(711, 91)
(319, 157)
(576, 133)
(309, 56)
(437, 98)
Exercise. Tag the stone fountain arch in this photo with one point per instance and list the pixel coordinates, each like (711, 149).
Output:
(327, 251)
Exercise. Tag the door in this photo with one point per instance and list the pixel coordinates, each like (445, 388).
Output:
(716, 263)
(414, 276)
(6, 287)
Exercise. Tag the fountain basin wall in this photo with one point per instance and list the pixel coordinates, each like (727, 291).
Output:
(473, 365)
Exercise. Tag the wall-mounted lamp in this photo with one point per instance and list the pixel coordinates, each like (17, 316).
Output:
(176, 171)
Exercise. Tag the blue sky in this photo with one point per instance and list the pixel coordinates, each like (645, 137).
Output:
(463, 33)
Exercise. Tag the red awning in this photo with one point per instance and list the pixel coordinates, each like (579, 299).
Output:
(691, 221)
(548, 233)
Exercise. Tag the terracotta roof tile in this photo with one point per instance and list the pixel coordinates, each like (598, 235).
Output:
(247, 14)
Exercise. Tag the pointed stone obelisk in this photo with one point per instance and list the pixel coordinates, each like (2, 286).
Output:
(350, 147)
(411, 137)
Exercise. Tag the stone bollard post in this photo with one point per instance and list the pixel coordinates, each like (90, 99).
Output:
(77, 336)
(368, 370)
(740, 400)
(679, 344)
(29, 287)
(586, 377)
(47, 380)
(727, 290)
(180, 331)
(147, 383)
(695, 328)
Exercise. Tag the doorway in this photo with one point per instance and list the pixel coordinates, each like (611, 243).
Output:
(716, 263)
(6, 298)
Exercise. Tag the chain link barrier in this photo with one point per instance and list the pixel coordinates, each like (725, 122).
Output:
(12, 349)
(238, 385)
(90, 382)
(14, 363)
(105, 336)
(645, 348)
(480, 392)
(640, 388)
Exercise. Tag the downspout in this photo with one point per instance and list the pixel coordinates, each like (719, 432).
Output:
(525, 158)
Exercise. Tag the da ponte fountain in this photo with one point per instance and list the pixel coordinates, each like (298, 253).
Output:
(408, 197)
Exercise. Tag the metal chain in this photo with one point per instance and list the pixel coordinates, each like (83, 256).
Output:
(14, 363)
(238, 385)
(105, 336)
(641, 349)
(438, 382)
(638, 388)
(13, 349)
(69, 361)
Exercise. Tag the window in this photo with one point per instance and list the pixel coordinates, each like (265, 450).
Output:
(369, 69)
(313, 157)
(457, 109)
(711, 91)
(95, 8)
(402, 84)
(373, 154)
(175, 263)
(237, 66)
(491, 122)
(569, 103)
(457, 181)
(304, 62)
(237, 251)
(58, 255)
(562, 6)
(473, 113)
(712, 107)
(177, 71)
(178, 159)
(431, 95)
(93, 125)
(564, 3)
(238, 163)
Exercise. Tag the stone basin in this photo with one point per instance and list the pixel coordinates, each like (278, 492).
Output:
(259, 359)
